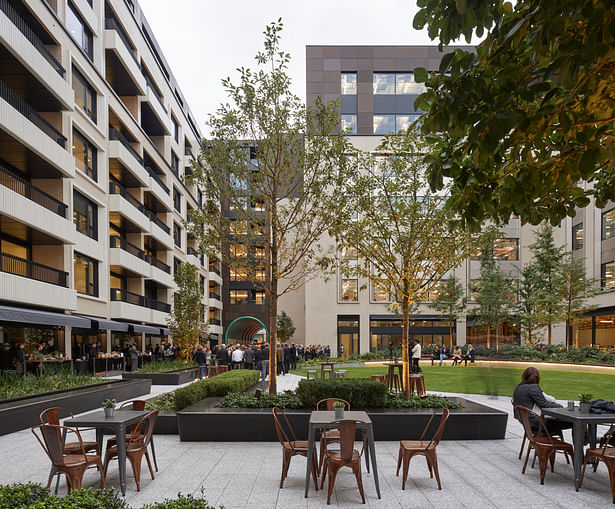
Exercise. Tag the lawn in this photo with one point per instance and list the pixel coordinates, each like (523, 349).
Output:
(561, 384)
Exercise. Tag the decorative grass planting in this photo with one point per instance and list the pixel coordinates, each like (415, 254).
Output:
(166, 366)
(12, 386)
(266, 400)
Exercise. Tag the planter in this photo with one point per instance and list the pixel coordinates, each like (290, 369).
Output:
(108, 412)
(178, 377)
(23, 413)
(339, 413)
(585, 408)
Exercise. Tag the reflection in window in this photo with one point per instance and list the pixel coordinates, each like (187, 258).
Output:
(384, 84)
(259, 251)
(85, 215)
(380, 292)
(402, 122)
(259, 297)
(506, 249)
(405, 84)
(608, 224)
(384, 124)
(260, 275)
(177, 235)
(238, 296)
(86, 275)
(239, 250)
(78, 29)
(607, 273)
(350, 290)
(577, 236)
(349, 83)
(349, 253)
(239, 274)
(85, 155)
(85, 96)
(349, 124)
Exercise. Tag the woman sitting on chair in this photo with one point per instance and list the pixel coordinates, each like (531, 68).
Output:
(456, 356)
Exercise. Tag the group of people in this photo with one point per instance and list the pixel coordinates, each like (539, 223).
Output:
(166, 351)
(443, 353)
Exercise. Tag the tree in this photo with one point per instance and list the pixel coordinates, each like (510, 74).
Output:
(450, 301)
(402, 237)
(494, 291)
(576, 289)
(286, 329)
(549, 285)
(186, 320)
(270, 168)
(529, 113)
(526, 313)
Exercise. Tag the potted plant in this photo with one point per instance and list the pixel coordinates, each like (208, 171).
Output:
(339, 406)
(584, 400)
(109, 407)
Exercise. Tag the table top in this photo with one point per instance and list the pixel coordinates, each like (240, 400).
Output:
(327, 363)
(320, 417)
(577, 416)
(98, 418)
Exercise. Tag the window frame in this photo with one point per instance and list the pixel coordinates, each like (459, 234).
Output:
(92, 284)
(576, 242)
(177, 235)
(87, 88)
(603, 224)
(87, 37)
(91, 220)
(88, 147)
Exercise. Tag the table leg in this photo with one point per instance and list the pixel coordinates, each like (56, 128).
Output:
(121, 456)
(372, 452)
(578, 435)
(99, 439)
(308, 467)
(151, 443)
(59, 473)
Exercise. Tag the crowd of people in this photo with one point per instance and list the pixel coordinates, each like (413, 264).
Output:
(443, 353)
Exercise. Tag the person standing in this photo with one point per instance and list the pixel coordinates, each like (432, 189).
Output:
(280, 359)
(416, 356)
(293, 356)
(134, 358)
(248, 358)
(265, 362)
(286, 358)
(201, 360)
(222, 356)
(237, 357)
(93, 355)
(20, 360)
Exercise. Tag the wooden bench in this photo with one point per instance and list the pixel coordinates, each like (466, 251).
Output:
(312, 374)
(341, 373)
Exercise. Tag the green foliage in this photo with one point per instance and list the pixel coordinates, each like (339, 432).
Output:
(585, 397)
(84, 499)
(18, 496)
(16, 387)
(166, 366)
(520, 121)
(245, 400)
(526, 314)
(286, 329)
(398, 401)
(165, 401)
(576, 288)
(109, 403)
(450, 301)
(556, 353)
(360, 393)
(186, 321)
(182, 502)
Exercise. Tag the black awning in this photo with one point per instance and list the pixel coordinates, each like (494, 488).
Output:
(147, 329)
(36, 317)
(104, 324)
(164, 331)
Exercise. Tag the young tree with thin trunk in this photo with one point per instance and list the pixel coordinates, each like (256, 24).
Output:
(403, 236)
(525, 309)
(286, 328)
(576, 289)
(450, 301)
(270, 168)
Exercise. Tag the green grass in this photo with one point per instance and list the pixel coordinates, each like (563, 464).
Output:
(561, 384)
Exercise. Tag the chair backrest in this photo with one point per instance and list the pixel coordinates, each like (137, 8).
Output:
(138, 440)
(329, 402)
(52, 442)
(532, 435)
(137, 405)
(435, 438)
(52, 416)
(286, 434)
(348, 431)
(607, 439)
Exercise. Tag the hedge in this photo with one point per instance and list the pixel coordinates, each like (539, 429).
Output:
(266, 400)
(360, 393)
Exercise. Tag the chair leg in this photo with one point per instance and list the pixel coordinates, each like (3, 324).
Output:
(522, 445)
(542, 463)
(284, 460)
(357, 473)
(103, 481)
(314, 469)
(323, 449)
(51, 476)
(332, 475)
(406, 461)
(135, 462)
(149, 464)
(583, 470)
(399, 456)
(527, 457)
(434, 463)
(429, 467)
(324, 473)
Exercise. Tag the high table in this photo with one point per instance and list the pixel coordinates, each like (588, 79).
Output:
(579, 420)
(391, 373)
(327, 366)
(120, 421)
(320, 418)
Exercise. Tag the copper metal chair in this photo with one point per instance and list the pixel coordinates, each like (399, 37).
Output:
(410, 448)
(346, 456)
(73, 465)
(136, 447)
(291, 446)
(52, 416)
(605, 453)
(331, 436)
(541, 441)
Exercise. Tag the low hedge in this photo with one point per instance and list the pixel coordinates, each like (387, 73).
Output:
(266, 400)
(398, 401)
(359, 392)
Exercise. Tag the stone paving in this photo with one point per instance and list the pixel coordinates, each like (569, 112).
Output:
(475, 474)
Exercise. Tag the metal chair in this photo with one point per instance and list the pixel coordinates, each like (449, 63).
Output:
(331, 436)
(606, 454)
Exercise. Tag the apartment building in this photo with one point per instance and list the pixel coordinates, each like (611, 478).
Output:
(95, 139)
(376, 90)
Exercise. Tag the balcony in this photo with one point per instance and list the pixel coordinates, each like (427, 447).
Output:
(155, 119)
(214, 295)
(214, 321)
(138, 300)
(214, 269)
(158, 222)
(12, 180)
(155, 262)
(122, 68)
(32, 270)
(156, 178)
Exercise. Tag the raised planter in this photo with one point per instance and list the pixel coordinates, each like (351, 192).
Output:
(204, 421)
(178, 377)
(22, 413)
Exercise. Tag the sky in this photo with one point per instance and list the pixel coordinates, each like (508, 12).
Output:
(205, 41)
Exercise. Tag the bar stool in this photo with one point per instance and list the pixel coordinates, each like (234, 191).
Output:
(341, 373)
(417, 382)
(393, 382)
(379, 378)
(312, 374)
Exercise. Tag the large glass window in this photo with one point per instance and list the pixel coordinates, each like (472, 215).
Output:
(607, 274)
(174, 163)
(85, 215)
(78, 29)
(577, 236)
(405, 84)
(85, 155)
(350, 290)
(349, 123)
(608, 224)
(380, 292)
(239, 250)
(177, 200)
(85, 96)
(384, 124)
(238, 296)
(259, 296)
(349, 83)
(402, 122)
(506, 249)
(238, 274)
(175, 129)
(86, 275)
(384, 83)
(177, 235)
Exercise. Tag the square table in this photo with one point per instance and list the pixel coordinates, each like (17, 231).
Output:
(320, 418)
(579, 420)
(120, 421)
(327, 366)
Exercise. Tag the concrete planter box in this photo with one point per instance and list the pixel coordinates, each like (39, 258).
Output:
(204, 421)
(166, 424)
(25, 412)
(178, 377)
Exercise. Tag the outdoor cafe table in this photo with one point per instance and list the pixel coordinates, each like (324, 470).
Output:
(579, 420)
(327, 366)
(391, 373)
(120, 421)
(320, 418)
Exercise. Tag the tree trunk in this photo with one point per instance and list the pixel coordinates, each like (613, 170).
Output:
(497, 336)
(549, 333)
(450, 333)
(405, 348)
(273, 339)
(488, 336)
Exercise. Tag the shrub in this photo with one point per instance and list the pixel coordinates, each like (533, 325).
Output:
(19, 386)
(165, 401)
(181, 502)
(245, 400)
(166, 366)
(17, 496)
(84, 499)
(398, 401)
(360, 393)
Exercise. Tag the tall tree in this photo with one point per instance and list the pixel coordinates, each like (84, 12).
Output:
(576, 289)
(526, 313)
(528, 113)
(286, 328)
(402, 235)
(186, 319)
(495, 291)
(450, 301)
(274, 166)
(548, 261)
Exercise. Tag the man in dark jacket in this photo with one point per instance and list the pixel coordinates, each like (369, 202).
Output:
(248, 358)
(286, 358)
(222, 356)
(20, 359)
(201, 360)
(293, 356)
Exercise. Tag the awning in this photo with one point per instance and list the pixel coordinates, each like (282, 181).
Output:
(36, 317)
(147, 329)
(104, 324)
(164, 331)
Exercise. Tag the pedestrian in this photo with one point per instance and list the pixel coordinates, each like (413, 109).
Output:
(201, 360)
(293, 356)
(134, 358)
(416, 356)
(248, 358)
(20, 360)
(237, 357)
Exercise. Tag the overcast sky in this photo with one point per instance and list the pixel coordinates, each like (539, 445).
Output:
(206, 40)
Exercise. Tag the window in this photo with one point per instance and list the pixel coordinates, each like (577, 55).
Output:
(177, 200)
(349, 124)
(177, 235)
(384, 84)
(349, 253)
(86, 275)
(607, 275)
(577, 236)
(238, 296)
(260, 275)
(402, 122)
(85, 155)
(405, 84)
(174, 163)
(380, 293)
(85, 96)
(474, 288)
(350, 290)
(506, 249)
(239, 250)
(259, 296)
(80, 32)
(384, 124)
(258, 206)
(176, 263)
(175, 129)
(608, 224)
(349, 83)
(259, 251)
(238, 274)
(85, 215)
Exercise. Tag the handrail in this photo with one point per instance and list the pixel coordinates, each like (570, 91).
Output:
(192, 251)
(11, 179)
(116, 188)
(32, 270)
(155, 176)
(214, 295)
(115, 134)
(213, 268)
(150, 84)
(117, 294)
(9, 95)
(157, 263)
(214, 321)
(119, 242)
(29, 34)
(154, 218)
(111, 24)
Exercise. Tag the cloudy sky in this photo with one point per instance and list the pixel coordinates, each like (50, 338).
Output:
(206, 40)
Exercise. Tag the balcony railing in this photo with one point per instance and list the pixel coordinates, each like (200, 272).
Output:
(11, 179)
(116, 188)
(155, 176)
(157, 263)
(214, 321)
(118, 294)
(111, 24)
(115, 134)
(192, 251)
(214, 269)
(154, 218)
(188, 152)
(119, 242)
(150, 84)
(214, 295)
(31, 114)
(32, 270)
(29, 34)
